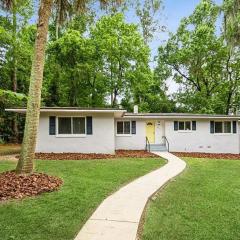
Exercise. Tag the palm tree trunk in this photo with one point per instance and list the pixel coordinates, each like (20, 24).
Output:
(26, 161)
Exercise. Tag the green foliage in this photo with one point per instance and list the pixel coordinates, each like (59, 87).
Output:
(16, 44)
(199, 60)
(148, 14)
(231, 11)
(111, 61)
(11, 99)
(123, 54)
(78, 70)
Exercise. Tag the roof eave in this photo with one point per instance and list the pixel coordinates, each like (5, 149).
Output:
(115, 112)
(180, 117)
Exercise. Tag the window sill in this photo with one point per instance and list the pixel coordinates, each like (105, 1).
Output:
(223, 134)
(123, 135)
(71, 136)
(185, 131)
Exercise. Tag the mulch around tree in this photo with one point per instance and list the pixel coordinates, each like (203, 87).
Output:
(81, 156)
(14, 186)
(208, 155)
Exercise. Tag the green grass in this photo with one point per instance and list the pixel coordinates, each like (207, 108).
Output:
(60, 215)
(202, 204)
(9, 149)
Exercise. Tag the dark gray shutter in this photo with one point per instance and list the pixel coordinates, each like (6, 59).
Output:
(52, 125)
(134, 127)
(234, 124)
(175, 125)
(194, 125)
(89, 126)
(212, 127)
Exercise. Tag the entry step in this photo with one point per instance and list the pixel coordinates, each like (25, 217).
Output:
(158, 148)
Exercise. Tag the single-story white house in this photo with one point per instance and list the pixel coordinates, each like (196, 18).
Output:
(84, 130)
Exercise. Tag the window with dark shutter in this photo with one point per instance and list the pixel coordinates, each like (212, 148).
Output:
(175, 125)
(52, 125)
(126, 127)
(194, 125)
(234, 127)
(89, 126)
(134, 127)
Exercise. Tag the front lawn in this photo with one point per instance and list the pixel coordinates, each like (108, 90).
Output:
(202, 204)
(60, 215)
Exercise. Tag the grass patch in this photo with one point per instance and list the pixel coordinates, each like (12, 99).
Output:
(203, 203)
(6, 149)
(60, 215)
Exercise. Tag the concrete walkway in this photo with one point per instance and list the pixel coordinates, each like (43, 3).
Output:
(118, 216)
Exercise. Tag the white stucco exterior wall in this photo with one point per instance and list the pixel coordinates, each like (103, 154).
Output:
(105, 139)
(201, 140)
(131, 142)
(102, 140)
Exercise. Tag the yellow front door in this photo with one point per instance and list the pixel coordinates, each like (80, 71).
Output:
(150, 131)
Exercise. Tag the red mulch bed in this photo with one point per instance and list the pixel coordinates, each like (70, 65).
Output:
(81, 156)
(209, 155)
(14, 186)
(134, 154)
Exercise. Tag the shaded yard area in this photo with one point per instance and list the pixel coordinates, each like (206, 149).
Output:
(203, 203)
(60, 215)
(6, 149)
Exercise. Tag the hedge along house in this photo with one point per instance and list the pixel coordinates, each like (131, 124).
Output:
(82, 130)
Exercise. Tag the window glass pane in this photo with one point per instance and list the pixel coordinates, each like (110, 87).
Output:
(181, 125)
(119, 127)
(79, 125)
(227, 127)
(126, 127)
(218, 127)
(64, 125)
(188, 126)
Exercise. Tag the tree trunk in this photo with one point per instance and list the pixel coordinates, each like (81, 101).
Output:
(14, 43)
(115, 94)
(228, 105)
(57, 21)
(14, 66)
(26, 161)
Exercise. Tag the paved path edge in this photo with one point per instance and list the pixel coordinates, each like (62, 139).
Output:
(119, 216)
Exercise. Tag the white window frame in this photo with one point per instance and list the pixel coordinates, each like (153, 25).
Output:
(185, 130)
(223, 132)
(124, 134)
(71, 135)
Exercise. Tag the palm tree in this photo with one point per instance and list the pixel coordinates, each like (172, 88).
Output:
(26, 161)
